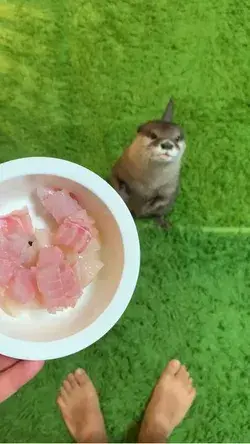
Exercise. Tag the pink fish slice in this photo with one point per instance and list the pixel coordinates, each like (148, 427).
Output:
(17, 222)
(23, 288)
(14, 251)
(73, 235)
(21, 249)
(82, 219)
(7, 270)
(50, 256)
(59, 286)
(58, 203)
(91, 250)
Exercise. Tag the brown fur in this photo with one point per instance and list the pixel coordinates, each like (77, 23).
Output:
(145, 177)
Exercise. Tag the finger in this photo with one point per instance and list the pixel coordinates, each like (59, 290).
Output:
(6, 362)
(16, 376)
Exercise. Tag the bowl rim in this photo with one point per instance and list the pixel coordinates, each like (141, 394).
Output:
(29, 350)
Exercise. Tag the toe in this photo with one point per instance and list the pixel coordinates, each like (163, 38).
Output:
(72, 380)
(67, 386)
(81, 376)
(60, 402)
(173, 367)
(183, 375)
(63, 394)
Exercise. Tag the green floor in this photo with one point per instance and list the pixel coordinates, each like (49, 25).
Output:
(77, 77)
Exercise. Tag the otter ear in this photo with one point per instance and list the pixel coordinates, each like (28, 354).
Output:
(146, 130)
(169, 111)
(143, 129)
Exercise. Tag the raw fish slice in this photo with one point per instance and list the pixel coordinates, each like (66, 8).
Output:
(71, 284)
(43, 238)
(59, 286)
(82, 219)
(9, 262)
(13, 308)
(16, 246)
(87, 269)
(72, 235)
(65, 234)
(58, 203)
(7, 270)
(17, 222)
(70, 257)
(6, 250)
(22, 288)
(92, 248)
(14, 251)
(21, 249)
(50, 256)
(2, 294)
(3, 226)
(9, 307)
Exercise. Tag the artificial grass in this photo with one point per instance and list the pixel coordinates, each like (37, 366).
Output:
(77, 77)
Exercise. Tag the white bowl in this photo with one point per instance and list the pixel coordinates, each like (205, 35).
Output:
(36, 334)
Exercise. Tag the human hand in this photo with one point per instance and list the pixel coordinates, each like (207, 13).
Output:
(14, 374)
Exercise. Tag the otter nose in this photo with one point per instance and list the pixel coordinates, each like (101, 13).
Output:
(167, 145)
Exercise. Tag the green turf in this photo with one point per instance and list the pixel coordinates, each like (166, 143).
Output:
(77, 77)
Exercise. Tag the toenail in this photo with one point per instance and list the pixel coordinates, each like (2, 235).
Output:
(175, 363)
(80, 371)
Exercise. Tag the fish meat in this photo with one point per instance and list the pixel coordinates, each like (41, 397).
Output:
(47, 269)
(82, 219)
(73, 235)
(93, 247)
(17, 222)
(8, 261)
(22, 248)
(57, 282)
(22, 287)
(58, 285)
(88, 265)
(58, 203)
(13, 308)
(50, 256)
(76, 232)
(15, 251)
(87, 268)
(7, 270)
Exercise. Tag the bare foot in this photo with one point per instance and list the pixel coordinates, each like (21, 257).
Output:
(171, 399)
(79, 405)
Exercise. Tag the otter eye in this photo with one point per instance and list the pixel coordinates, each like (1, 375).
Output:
(153, 136)
(178, 139)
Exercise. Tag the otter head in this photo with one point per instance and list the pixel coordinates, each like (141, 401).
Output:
(163, 139)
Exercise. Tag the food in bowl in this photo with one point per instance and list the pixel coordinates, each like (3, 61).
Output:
(44, 268)
(38, 334)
